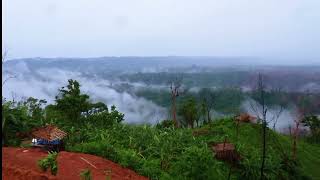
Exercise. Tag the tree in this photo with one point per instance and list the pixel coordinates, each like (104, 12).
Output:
(261, 111)
(174, 87)
(103, 118)
(261, 88)
(52, 115)
(282, 100)
(4, 72)
(95, 108)
(71, 102)
(313, 123)
(116, 115)
(35, 110)
(14, 119)
(301, 112)
(295, 138)
(189, 111)
(207, 98)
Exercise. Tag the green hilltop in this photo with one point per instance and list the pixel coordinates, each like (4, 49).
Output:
(168, 153)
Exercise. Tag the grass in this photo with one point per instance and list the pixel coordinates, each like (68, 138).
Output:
(167, 153)
(309, 157)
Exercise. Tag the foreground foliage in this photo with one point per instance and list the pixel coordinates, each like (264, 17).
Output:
(49, 162)
(168, 153)
(86, 174)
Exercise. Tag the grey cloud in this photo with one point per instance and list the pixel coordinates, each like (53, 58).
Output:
(286, 29)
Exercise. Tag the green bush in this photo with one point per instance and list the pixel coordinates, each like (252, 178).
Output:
(165, 124)
(49, 162)
(151, 168)
(129, 158)
(86, 174)
(196, 163)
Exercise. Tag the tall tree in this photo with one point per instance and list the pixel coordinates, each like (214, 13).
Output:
(35, 110)
(175, 88)
(71, 102)
(207, 98)
(15, 119)
(189, 111)
(301, 113)
(5, 73)
(313, 123)
(261, 112)
(261, 88)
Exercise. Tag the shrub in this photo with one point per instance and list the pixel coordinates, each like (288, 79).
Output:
(165, 124)
(49, 162)
(129, 158)
(194, 160)
(151, 168)
(86, 174)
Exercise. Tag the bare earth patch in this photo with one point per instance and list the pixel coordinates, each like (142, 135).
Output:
(21, 163)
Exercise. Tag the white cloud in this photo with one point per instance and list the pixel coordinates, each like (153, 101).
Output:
(47, 81)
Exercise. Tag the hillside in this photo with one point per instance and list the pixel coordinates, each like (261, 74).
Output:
(21, 163)
(161, 151)
(165, 153)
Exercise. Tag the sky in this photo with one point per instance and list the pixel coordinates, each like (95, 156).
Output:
(275, 29)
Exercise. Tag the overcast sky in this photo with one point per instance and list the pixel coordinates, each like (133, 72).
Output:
(287, 29)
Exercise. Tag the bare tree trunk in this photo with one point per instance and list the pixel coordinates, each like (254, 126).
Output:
(295, 139)
(174, 111)
(264, 124)
(174, 94)
(191, 123)
(237, 128)
(208, 115)
(290, 131)
(263, 150)
(302, 111)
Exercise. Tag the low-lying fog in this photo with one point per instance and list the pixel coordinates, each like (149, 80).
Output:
(44, 84)
(42, 81)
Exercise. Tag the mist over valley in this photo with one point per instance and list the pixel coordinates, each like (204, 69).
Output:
(135, 84)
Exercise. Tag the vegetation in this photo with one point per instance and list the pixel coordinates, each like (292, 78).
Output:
(164, 151)
(313, 122)
(49, 162)
(189, 112)
(168, 153)
(86, 174)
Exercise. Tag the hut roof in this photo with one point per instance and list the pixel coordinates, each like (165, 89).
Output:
(49, 132)
(226, 152)
(245, 117)
(223, 147)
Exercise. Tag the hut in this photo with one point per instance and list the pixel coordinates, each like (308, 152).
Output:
(245, 117)
(226, 152)
(50, 137)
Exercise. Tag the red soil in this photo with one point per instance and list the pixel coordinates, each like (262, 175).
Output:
(21, 163)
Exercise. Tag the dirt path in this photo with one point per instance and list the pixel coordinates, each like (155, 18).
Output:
(21, 163)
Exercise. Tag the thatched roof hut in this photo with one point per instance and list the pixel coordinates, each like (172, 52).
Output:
(226, 152)
(245, 117)
(48, 133)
